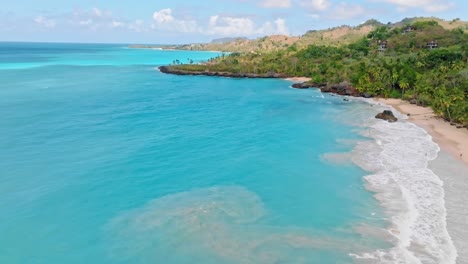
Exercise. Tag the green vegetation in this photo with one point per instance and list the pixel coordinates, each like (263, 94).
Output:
(405, 68)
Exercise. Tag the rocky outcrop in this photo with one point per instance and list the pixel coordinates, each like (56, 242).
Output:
(307, 85)
(343, 88)
(172, 70)
(387, 115)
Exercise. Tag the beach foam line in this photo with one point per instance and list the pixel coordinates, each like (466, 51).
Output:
(411, 193)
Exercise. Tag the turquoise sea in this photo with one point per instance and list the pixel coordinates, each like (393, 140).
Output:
(103, 159)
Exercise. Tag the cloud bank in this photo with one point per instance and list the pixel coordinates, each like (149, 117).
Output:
(223, 25)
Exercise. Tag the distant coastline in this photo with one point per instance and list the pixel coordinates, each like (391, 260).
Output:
(168, 47)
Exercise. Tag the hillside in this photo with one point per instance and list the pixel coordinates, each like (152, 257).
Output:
(446, 24)
(226, 40)
(336, 36)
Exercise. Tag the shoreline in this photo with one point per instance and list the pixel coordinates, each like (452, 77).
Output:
(298, 79)
(450, 139)
(449, 166)
(398, 159)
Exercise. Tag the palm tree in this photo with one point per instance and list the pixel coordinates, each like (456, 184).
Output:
(404, 85)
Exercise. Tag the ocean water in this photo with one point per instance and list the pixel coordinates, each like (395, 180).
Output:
(103, 159)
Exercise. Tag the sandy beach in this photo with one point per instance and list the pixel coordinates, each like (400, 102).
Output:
(451, 139)
(298, 79)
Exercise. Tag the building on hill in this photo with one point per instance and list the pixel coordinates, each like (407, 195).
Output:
(432, 44)
(408, 29)
(381, 45)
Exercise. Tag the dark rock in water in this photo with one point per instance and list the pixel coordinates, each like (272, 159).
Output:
(307, 85)
(387, 115)
(301, 85)
(346, 100)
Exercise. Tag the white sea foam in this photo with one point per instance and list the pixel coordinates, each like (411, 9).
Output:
(413, 195)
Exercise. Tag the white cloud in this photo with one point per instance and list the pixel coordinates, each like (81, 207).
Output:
(163, 16)
(165, 20)
(217, 25)
(276, 3)
(97, 12)
(316, 5)
(347, 11)
(45, 22)
(314, 16)
(281, 27)
(137, 26)
(438, 7)
(85, 22)
(96, 19)
(86, 18)
(230, 26)
(117, 24)
(236, 26)
(427, 5)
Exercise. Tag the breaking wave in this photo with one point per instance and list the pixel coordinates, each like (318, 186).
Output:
(398, 156)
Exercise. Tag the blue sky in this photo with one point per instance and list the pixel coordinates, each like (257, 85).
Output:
(177, 21)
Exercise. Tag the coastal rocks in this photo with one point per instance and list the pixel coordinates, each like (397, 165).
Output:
(303, 85)
(307, 85)
(343, 88)
(387, 115)
(172, 70)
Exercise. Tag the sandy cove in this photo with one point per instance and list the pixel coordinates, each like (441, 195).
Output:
(298, 79)
(451, 139)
